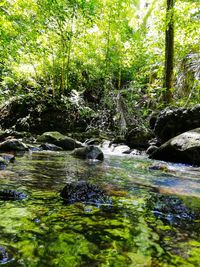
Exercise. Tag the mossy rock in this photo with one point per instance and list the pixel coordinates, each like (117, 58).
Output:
(88, 152)
(50, 137)
(13, 145)
(60, 140)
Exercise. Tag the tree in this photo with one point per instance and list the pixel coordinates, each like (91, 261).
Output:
(169, 52)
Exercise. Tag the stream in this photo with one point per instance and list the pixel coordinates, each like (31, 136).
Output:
(153, 220)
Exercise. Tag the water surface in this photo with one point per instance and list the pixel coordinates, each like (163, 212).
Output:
(153, 220)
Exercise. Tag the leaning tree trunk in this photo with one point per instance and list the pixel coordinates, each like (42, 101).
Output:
(169, 53)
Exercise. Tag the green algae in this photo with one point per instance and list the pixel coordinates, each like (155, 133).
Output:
(142, 227)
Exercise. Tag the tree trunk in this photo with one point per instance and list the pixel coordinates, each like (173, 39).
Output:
(169, 53)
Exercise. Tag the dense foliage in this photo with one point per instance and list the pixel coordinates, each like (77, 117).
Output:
(106, 52)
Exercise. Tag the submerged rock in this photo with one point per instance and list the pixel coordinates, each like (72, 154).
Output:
(8, 157)
(10, 194)
(60, 140)
(159, 167)
(51, 147)
(4, 257)
(88, 152)
(172, 210)
(184, 148)
(3, 163)
(13, 145)
(84, 192)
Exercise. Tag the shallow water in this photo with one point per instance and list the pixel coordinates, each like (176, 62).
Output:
(153, 220)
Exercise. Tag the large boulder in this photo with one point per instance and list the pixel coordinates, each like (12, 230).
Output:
(138, 137)
(88, 152)
(13, 145)
(38, 113)
(50, 137)
(184, 148)
(60, 140)
(172, 122)
(84, 192)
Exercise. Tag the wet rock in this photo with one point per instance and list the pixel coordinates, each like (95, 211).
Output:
(92, 141)
(68, 143)
(84, 192)
(151, 149)
(51, 147)
(134, 152)
(172, 210)
(172, 122)
(8, 157)
(5, 159)
(60, 140)
(9, 194)
(88, 152)
(159, 167)
(184, 148)
(3, 163)
(152, 119)
(4, 257)
(138, 138)
(13, 145)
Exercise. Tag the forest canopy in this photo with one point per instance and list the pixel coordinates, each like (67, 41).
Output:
(101, 46)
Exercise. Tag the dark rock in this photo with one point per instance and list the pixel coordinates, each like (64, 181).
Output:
(92, 141)
(138, 138)
(154, 142)
(172, 122)
(34, 148)
(8, 157)
(84, 192)
(184, 148)
(51, 147)
(60, 140)
(88, 152)
(68, 143)
(172, 210)
(3, 134)
(151, 149)
(158, 167)
(4, 257)
(152, 119)
(5, 159)
(3, 163)
(9, 194)
(13, 145)
(38, 113)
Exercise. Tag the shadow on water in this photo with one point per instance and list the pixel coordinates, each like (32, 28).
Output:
(153, 219)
